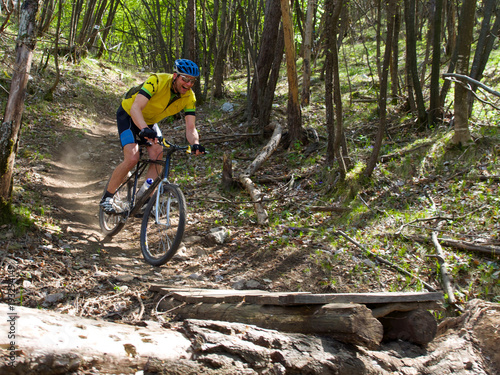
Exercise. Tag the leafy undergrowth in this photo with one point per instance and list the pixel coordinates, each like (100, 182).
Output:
(324, 235)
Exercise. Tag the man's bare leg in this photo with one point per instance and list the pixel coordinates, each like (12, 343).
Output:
(130, 159)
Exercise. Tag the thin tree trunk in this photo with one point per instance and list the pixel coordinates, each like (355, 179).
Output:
(434, 103)
(51, 90)
(75, 17)
(461, 127)
(306, 75)
(484, 45)
(86, 23)
(220, 53)
(395, 91)
(96, 24)
(411, 50)
(45, 17)
(330, 111)
(451, 27)
(9, 130)
(293, 110)
(190, 46)
(113, 6)
(391, 6)
(337, 95)
(210, 44)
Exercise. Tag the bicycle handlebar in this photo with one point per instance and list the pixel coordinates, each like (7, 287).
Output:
(168, 144)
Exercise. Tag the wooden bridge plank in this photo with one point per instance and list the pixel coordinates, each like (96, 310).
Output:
(262, 297)
(364, 298)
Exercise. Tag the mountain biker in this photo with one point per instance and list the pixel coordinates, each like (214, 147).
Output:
(160, 96)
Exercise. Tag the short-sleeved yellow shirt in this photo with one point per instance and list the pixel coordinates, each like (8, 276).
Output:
(157, 88)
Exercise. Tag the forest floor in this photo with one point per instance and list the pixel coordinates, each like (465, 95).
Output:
(68, 149)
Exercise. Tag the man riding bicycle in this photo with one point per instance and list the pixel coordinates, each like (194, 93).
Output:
(162, 95)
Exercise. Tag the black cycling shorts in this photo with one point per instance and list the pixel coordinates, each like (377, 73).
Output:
(128, 131)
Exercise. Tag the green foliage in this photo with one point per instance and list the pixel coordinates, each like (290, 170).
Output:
(17, 218)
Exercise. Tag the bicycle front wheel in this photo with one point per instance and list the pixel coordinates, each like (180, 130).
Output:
(163, 224)
(111, 224)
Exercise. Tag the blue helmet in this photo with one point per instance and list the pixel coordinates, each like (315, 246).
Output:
(185, 66)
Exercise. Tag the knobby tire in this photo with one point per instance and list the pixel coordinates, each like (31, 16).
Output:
(111, 224)
(160, 240)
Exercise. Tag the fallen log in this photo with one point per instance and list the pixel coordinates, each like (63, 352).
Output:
(266, 151)
(255, 194)
(416, 326)
(467, 344)
(44, 340)
(443, 266)
(460, 245)
(349, 323)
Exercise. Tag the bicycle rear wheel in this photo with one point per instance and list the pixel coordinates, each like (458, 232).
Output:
(111, 224)
(163, 224)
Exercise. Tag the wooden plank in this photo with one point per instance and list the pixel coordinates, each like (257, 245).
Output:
(207, 297)
(222, 296)
(364, 298)
(274, 298)
(263, 297)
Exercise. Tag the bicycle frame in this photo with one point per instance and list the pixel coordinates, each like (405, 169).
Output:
(141, 166)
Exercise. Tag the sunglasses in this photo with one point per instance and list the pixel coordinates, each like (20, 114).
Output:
(187, 79)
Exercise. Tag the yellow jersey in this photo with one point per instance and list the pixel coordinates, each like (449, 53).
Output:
(162, 101)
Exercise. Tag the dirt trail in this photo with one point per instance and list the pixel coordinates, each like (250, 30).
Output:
(74, 184)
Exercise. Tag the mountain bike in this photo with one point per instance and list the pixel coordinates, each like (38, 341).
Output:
(163, 207)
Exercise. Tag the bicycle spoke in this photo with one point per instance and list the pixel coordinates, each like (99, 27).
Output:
(163, 227)
(111, 224)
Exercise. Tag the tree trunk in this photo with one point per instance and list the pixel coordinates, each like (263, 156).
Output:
(96, 22)
(45, 17)
(461, 127)
(50, 93)
(86, 27)
(451, 27)
(484, 45)
(227, 19)
(189, 46)
(267, 57)
(113, 6)
(434, 103)
(337, 95)
(330, 111)
(395, 89)
(293, 109)
(391, 6)
(306, 75)
(9, 130)
(220, 54)
(411, 51)
(267, 96)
